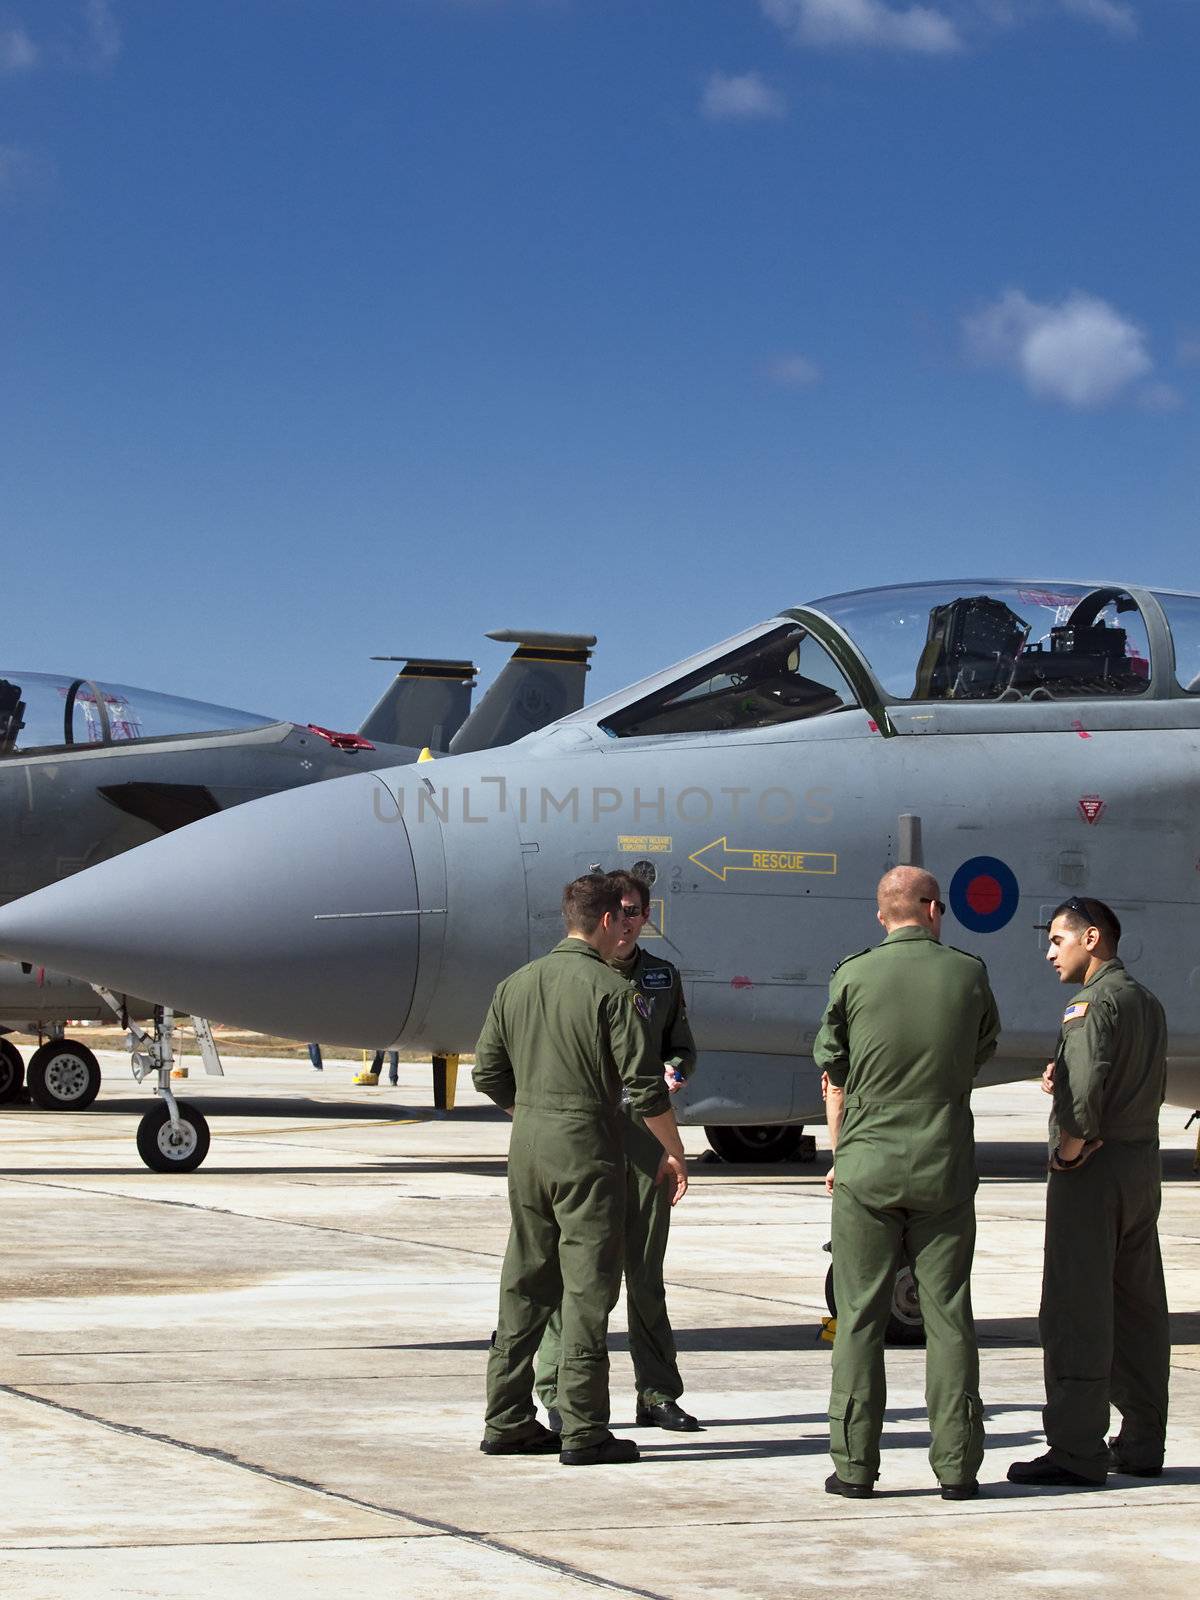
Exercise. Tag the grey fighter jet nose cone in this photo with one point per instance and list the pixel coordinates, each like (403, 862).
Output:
(289, 915)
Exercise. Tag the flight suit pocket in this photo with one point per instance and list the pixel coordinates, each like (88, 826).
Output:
(848, 1439)
(840, 1407)
(957, 1451)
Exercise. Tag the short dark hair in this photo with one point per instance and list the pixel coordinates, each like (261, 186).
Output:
(630, 883)
(1081, 912)
(587, 900)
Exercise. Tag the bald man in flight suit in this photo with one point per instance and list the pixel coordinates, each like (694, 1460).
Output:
(907, 1027)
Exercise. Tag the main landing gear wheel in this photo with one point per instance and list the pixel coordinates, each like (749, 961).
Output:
(905, 1324)
(63, 1076)
(767, 1142)
(165, 1149)
(12, 1071)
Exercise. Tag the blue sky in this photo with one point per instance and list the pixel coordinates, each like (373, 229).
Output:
(342, 327)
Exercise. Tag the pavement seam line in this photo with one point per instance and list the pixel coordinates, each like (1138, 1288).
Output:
(288, 1480)
(251, 1216)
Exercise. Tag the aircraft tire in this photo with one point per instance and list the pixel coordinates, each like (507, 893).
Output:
(762, 1142)
(905, 1326)
(63, 1076)
(12, 1071)
(164, 1152)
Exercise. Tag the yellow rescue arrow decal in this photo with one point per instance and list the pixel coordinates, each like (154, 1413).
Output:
(721, 860)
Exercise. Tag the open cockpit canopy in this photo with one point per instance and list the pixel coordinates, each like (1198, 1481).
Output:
(971, 641)
(45, 711)
(1011, 641)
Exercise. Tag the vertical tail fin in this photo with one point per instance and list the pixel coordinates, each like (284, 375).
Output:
(541, 681)
(426, 703)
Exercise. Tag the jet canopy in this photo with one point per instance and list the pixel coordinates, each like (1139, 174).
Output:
(45, 711)
(972, 641)
(981, 640)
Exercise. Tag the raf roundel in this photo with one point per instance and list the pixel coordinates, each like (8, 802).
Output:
(984, 894)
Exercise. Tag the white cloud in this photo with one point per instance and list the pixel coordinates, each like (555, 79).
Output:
(1117, 18)
(744, 97)
(1080, 352)
(89, 41)
(100, 38)
(868, 24)
(793, 372)
(18, 53)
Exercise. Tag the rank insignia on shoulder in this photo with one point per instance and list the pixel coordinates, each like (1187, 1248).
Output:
(853, 957)
(1074, 1012)
(643, 1007)
(655, 978)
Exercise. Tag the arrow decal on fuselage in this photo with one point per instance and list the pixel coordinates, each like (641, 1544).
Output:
(722, 860)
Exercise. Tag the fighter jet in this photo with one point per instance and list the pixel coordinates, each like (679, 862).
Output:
(88, 771)
(1025, 741)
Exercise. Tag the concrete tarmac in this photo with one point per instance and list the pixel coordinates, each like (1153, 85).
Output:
(267, 1375)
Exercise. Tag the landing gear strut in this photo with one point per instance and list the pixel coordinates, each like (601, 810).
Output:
(170, 1137)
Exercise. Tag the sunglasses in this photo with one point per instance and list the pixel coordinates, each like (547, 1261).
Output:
(940, 904)
(1093, 913)
(629, 912)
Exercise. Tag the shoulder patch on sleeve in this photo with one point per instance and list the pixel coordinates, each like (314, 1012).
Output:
(1075, 1011)
(853, 957)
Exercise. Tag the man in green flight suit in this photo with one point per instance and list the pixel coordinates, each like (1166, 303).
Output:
(1103, 1319)
(647, 1201)
(907, 1027)
(561, 1039)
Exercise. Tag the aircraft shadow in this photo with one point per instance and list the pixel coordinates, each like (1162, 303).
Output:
(281, 1106)
(750, 1450)
(335, 1169)
(998, 1162)
(1185, 1329)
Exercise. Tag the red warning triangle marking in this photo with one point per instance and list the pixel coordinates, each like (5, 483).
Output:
(1090, 808)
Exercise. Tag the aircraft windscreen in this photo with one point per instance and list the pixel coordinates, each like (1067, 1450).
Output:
(1182, 612)
(997, 641)
(43, 711)
(781, 676)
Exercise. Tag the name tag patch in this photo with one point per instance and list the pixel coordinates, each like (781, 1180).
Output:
(655, 978)
(1073, 1013)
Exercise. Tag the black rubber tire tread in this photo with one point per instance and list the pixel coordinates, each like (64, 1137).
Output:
(40, 1091)
(757, 1143)
(898, 1332)
(12, 1071)
(150, 1150)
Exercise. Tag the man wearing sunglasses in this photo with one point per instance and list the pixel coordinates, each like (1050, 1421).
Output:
(908, 1025)
(1103, 1318)
(658, 988)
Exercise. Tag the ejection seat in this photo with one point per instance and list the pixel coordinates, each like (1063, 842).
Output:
(12, 715)
(971, 650)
